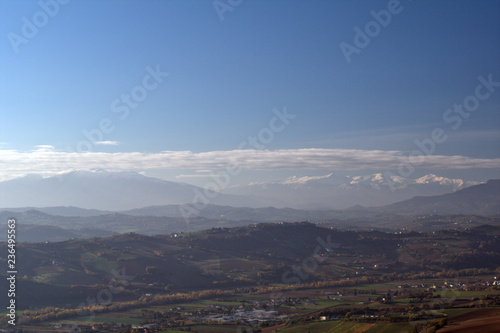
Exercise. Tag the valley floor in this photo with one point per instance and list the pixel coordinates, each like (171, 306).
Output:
(424, 305)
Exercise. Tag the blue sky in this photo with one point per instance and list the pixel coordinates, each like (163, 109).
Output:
(226, 76)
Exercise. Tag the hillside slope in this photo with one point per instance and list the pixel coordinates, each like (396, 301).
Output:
(482, 199)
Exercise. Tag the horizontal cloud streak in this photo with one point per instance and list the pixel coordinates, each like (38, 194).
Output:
(46, 160)
(107, 143)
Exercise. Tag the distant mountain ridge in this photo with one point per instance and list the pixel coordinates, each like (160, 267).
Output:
(472, 206)
(100, 190)
(482, 199)
(339, 192)
(61, 211)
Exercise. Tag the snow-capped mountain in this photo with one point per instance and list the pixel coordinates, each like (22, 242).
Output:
(337, 192)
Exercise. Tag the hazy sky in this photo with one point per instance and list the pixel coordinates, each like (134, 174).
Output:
(176, 89)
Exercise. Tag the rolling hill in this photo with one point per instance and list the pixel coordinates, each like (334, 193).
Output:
(235, 258)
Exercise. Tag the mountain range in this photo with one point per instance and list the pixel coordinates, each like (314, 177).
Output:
(466, 208)
(482, 199)
(338, 192)
(102, 190)
(122, 191)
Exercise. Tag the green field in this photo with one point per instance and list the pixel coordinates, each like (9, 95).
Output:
(390, 328)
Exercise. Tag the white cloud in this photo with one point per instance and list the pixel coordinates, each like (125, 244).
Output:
(45, 147)
(305, 179)
(46, 160)
(107, 143)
